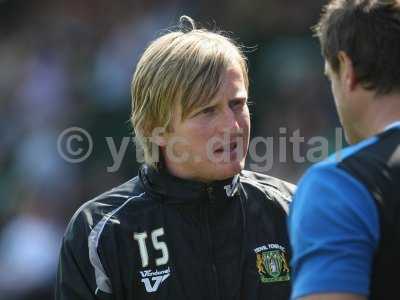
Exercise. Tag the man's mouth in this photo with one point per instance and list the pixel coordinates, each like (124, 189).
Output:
(227, 148)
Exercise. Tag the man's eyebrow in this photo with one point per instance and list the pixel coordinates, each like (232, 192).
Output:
(207, 105)
(216, 103)
(238, 98)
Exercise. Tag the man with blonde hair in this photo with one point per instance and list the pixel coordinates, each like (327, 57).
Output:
(192, 224)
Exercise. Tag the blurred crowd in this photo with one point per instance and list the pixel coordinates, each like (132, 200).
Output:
(69, 63)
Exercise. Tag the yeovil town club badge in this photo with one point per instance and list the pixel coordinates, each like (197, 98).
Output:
(271, 263)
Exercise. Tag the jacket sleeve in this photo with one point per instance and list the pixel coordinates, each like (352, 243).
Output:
(76, 276)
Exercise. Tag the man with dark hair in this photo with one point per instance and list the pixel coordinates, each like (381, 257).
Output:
(344, 223)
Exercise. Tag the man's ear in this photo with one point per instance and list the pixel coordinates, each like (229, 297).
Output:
(347, 72)
(159, 136)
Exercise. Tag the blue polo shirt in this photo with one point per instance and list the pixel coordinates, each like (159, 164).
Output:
(334, 230)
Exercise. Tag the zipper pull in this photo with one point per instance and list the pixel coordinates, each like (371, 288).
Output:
(210, 192)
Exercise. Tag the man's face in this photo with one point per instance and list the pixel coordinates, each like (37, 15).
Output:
(212, 142)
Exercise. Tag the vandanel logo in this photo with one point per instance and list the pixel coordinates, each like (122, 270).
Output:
(153, 280)
(271, 263)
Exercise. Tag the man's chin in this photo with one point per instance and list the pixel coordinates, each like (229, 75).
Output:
(228, 170)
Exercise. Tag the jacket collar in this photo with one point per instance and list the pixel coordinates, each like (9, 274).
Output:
(392, 125)
(174, 189)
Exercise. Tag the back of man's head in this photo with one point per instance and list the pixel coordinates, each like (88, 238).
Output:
(368, 31)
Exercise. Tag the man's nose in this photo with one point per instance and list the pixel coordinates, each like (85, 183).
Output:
(229, 122)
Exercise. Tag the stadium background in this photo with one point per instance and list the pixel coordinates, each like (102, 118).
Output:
(69, 63)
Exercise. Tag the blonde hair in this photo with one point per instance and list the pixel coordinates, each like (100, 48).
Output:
(183, 67)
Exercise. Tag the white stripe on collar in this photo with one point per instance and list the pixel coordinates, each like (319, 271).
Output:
(232, 188)
(392, 125)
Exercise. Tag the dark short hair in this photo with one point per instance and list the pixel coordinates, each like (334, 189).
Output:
(368, 31)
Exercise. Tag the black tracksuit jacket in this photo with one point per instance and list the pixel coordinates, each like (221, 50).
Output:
(160, 237)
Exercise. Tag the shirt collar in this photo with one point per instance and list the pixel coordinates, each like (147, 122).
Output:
(392, 125)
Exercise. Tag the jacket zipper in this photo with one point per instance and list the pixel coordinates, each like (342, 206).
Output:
(210, 241)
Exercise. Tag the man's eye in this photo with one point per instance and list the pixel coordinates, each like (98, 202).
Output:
(237, 104)
(208, 110)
